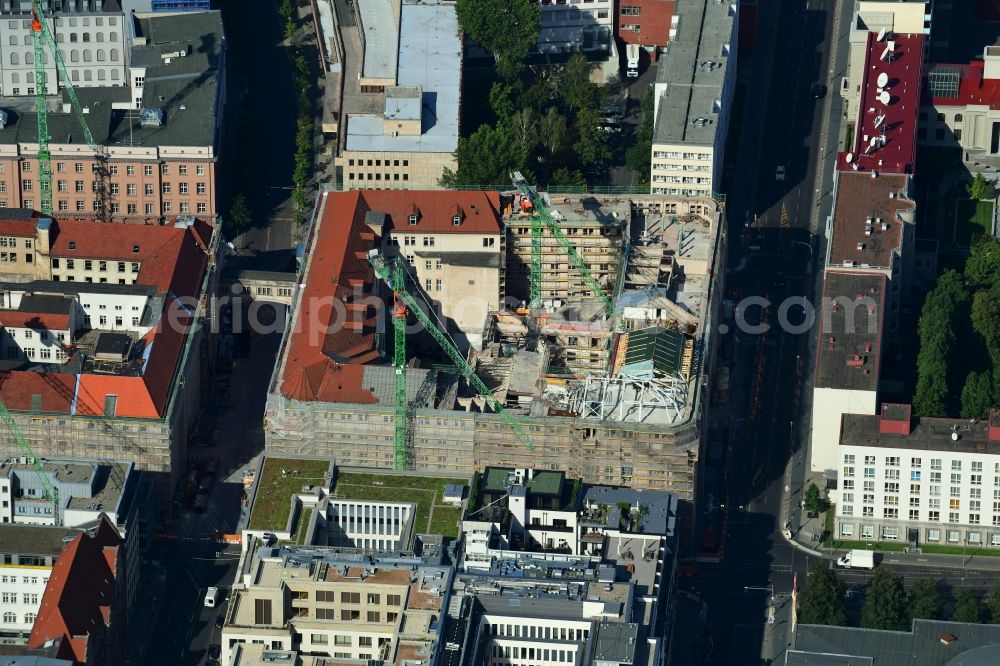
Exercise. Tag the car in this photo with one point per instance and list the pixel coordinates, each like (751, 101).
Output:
(220, 619)
(214, 650)
(818, 91)
(779, 174)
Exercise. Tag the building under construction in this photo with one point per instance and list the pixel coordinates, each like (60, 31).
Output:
(610, 386)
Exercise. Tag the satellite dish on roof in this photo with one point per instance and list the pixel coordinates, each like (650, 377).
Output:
(881, 34)
(849, 158)
(885, 97)
(883, 80)
(954, 436)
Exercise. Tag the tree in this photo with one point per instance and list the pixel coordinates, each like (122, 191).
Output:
(936, 328)
(554, 131)
(506, 28)
(886, 604)
(980, 188)
(593, 144)
(485, 158)
(240, 217)
(968, 607)
(638, 156)
(821, 599)
(814, 501)
(977, 395)
(993, 603)
(575, 87)
(925, 600)
(982, 268)
(501, 100)
(565, 176)
(524, 126)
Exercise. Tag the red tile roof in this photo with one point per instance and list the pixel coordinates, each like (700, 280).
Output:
(897, 120)
(171, 259)
(77, 599)
(435, 209)
(973, 87)
(21, 228)
(37, 320)
(864, 204)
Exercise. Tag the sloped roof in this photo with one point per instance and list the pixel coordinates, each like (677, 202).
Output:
(76, 602)
(480, 210)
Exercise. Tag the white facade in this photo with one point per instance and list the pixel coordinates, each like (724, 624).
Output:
(576, 26)
(681, 169)
(906, 494)
(367, 524)
(21, 588)
(517, 640)
(91, 44)
(829, 406)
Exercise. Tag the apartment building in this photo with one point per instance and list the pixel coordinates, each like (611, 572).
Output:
(332, 394)
(159, 133)
(919, 480)
(396, 112)
(693, 99)
(28, 556)
(649, 23)
(85, 610)
(123, 382)
(339, 604)
(90, 35)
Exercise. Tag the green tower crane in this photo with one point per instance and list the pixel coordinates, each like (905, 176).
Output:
(391, 271)
(41, 37)
(402, 435)
(35, 460)
(540, 214)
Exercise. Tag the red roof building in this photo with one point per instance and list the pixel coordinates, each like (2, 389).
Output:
(81, 618)
(645, 22)
(885, 131)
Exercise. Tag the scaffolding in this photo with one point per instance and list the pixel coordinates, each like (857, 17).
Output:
(660, 399)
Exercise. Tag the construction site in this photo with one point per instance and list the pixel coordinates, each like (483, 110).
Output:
(598, 360)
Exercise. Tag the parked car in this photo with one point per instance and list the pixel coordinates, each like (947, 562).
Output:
(779, 174)
(818, 90)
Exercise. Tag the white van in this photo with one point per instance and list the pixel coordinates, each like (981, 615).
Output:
(632, 60)
(211, 596)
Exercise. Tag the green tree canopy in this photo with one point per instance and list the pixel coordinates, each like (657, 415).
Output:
(968, 607)
(554, 131)
(506, 28)
(565, 176)
(822, 598)
(886, 605)
(925, 600)
(993, 603)
(982, 268)
(977, 395)
(814, 501)
(240, 217)
(575, 87)
(501, 100)
(942, 308)
(980, 188)
(638, 156)
(593, 144)
(485, 158)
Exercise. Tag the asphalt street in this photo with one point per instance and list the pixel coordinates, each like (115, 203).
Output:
(783, 125)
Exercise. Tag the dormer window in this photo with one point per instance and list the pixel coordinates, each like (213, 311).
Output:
(72, 245)
(456, 221)
(135, 249)
(413, 219)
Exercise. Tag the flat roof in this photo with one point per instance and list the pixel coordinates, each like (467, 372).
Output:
(928, 434)
(974, 645)
(962, 85)
(864, 206)
(429, 57)
(851, 321)
(615, 642)
(33, 539)
(890, 110)
(690, 76)
(380, 23)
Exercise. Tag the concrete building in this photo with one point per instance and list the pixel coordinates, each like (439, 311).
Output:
(568, 28)
(393, 100)
(693, 100)
(919, 481)
(332, 391)
(848, 359)
(124, 380)
(338, 604)
(90, 35)
(87, 604)
(928, 642)
(28, 556)
(961, 108)
(649, 23)
(160, 133)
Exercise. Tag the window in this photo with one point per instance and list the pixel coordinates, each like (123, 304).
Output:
(627, 10)
(348, 615)
(392, 599)
(182, 188)
(199, 188)
(867, 531)
(364, 641)
(182, 169)
(341, 640)
(130, 189)
(147, 170)
(319, 639)
(350, 597)
(26, 185)
(933, 534)
(915, 462)
(914, 475)
(935, 463)
(847, 530)
(130, 208)
(148, 189)
(130, 170)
